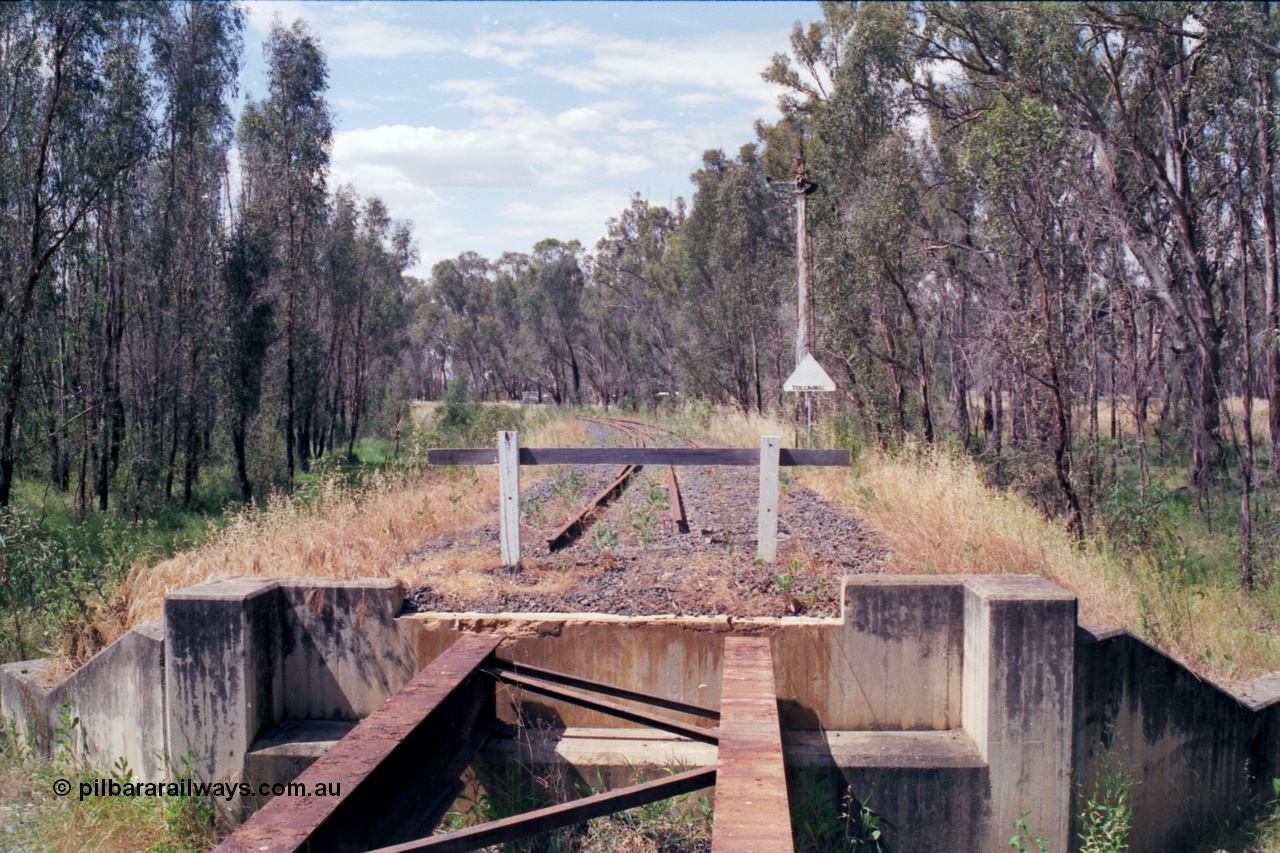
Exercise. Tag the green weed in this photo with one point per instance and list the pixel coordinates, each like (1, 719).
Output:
(1107, 813)
(603, 538)
(1023, 837)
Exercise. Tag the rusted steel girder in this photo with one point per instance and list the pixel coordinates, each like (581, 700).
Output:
(613, 690)
(555, 691)
(388, 770)
(558, 817)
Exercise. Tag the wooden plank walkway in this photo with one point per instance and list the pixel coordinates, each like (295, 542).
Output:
(415, 733)
(751, 809)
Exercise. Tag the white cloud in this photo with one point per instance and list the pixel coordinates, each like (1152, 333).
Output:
(573, 215)
(430, 157)
(352, 29)
(721, 64)
(545, 130)
(697, 99)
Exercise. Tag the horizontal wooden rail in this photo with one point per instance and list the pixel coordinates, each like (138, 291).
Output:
(787, 457)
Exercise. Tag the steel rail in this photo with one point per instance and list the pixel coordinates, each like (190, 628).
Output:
(574, 527)
(558, 817)
(604, 706)
(575, 681)
(678, 518)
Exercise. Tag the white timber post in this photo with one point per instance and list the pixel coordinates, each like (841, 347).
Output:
(509, 496)
(767, 527)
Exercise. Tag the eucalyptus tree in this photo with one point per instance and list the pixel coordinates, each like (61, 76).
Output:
(197, 48)
(463, 290)
(72, 120)
(735, 257)
(249, 317)
(1027, 177)
(1143, 90)
(551, 290)
(633, 300)
(292, 131)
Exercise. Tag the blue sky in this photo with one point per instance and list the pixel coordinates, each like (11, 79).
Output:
(494, 125)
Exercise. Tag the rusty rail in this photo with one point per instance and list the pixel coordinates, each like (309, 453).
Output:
(558, 817)
(605, 706)
(573, 528)
(577, 681)
(637, 430)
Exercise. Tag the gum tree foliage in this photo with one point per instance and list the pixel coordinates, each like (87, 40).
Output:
(166, 337)
(1035, 224)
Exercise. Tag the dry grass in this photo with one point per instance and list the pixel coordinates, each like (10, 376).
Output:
(341, 533)
(1127, 427)
(938, 516)
(738, 429)
(423, 412)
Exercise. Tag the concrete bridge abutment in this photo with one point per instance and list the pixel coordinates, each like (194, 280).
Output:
(956, 704)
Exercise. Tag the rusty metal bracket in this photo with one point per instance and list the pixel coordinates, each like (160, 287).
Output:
(386, 768)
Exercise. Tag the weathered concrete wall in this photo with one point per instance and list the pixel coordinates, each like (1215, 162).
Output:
(1018, 678)
(896, 663)
(342, 652)
(1200, 756)
(223, 681)
(928, 788)
(24, 700)
(957, 703)
(118, 698)
(240, 655)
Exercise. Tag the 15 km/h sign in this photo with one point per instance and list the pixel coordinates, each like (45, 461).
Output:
(809, 376)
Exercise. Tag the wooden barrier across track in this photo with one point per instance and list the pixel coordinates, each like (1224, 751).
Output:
(509, 456)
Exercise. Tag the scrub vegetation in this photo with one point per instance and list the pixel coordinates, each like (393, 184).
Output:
(1045, 277)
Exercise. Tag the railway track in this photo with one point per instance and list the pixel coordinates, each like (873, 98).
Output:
(640, 434)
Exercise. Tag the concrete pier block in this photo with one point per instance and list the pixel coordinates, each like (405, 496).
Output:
(342, 652)
(899, 656)
(223, 672)
(1019, 659)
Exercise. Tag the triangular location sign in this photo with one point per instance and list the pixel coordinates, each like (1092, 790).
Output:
(809, 376)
